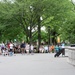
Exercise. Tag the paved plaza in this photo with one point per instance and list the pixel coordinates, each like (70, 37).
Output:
(37, 64)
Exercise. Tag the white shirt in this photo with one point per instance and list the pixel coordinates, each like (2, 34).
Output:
(11, 46)
(27, 47)
(63, 45)
(32, 47)
(46, 47)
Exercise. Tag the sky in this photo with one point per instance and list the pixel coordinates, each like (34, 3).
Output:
(8, 0)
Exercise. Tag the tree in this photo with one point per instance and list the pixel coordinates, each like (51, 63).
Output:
(27, 13)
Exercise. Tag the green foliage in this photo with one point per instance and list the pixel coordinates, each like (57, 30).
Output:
(17, 16)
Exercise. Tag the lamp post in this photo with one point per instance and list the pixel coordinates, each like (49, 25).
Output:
(48, 37)
(39, 31)
(30, 28)
(30, 36)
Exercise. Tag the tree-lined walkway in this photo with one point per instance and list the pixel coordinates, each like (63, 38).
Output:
(37, 64)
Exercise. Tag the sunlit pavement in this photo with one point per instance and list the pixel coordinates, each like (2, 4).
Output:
(37, 64)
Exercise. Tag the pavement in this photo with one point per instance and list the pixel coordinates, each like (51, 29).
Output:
(37, 64)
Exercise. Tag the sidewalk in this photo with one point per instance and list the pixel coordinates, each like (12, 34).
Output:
(37, 64)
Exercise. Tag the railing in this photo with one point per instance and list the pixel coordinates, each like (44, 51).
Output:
(71, 55)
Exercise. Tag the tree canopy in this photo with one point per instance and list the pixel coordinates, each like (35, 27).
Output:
(18, 15)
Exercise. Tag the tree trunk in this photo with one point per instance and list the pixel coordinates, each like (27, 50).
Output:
(39, 33)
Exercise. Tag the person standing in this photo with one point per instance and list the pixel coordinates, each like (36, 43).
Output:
(11, 52)
(22, 46)
(63, 49)
(27, 48)
(46, 49)
(2, 45)
(32, 47)
(52, 48)
(0, 50)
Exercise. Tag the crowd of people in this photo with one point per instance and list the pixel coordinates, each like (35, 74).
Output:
(11, 48)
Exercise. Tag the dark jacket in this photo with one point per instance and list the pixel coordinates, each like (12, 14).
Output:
(22, 45)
